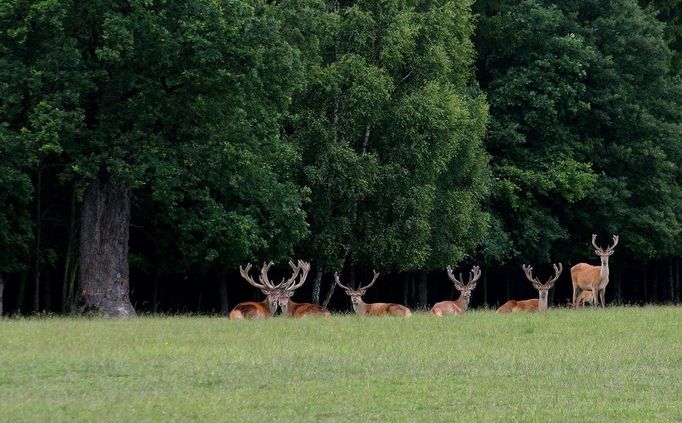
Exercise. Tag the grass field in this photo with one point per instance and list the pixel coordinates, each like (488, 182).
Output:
(614, 364)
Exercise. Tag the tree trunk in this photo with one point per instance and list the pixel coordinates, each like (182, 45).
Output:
(47, 292)
(619, 287)
(406, 281)
(485, 288)
(654, 293)
(155, 292)
(69, 259)
(644, 284)
(224, 304)
(36, 268)
(677, 280)
(422, 290)
(2, 287)
(671, 280)
(105, 229)
(317, 284)
(21, 294)
(328, 298)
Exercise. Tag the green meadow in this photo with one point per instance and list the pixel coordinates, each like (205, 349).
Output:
(618, 364)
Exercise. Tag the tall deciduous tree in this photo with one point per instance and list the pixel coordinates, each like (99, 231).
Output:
(391, 129)
(185, 97)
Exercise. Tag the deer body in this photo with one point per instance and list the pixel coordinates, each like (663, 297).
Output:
(262, 309)
(372, 309)
(535, 304)
(459, 306)
(253, 310)
(585, 297)
(587, 277)
(294, 309)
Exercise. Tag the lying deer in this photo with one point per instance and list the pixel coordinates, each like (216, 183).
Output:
(459, 306)
(536, 304)
(372, 309)
(293, 309)
(587, 277)
(267, 307)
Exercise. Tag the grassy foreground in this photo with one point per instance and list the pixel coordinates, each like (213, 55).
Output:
(615, 364)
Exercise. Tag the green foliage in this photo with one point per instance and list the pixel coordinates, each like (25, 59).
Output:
(585, 127)
(390, 129)
(185, 99)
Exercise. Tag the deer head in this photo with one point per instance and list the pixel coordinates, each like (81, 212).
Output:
(604, 254)
(543, 288)
(270, 290)
(465, 289)
(292, 285)
(355, 294)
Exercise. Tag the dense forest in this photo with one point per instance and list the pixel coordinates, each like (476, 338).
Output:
(148, 148)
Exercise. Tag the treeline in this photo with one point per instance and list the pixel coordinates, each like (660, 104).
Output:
(148, 148)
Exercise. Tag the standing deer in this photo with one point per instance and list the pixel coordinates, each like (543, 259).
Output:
(536, 304)
(267, 307)
(372, 309)
(459, 306)
(587, 277)
(293, 309)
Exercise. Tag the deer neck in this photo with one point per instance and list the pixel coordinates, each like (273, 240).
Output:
(291, 307)
(360, 307)
(462, 302)
(605, 272)
(268, 304)
(542, 302)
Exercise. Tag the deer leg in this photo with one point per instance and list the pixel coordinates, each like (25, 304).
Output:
(602, 294)
(595, 297)
(575, 296)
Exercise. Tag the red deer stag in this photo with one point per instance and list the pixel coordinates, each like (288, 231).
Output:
(587, 277)
(372, 309)
(536, 304)
(459, 306)
(293, 309)
(267, 307)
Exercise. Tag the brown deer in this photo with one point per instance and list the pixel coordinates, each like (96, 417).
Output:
(587, 277)
(584, 297)
(293, 309)
(536, 304)
(459, 306)
(267, 307)
(372, 309)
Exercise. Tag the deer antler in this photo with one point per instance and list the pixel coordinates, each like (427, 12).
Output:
(615, 242)
(245, 274)
(338, 282)
(374, 279)
(528, 270)
(557, 273)
(458, 283)
(302, 265)
(474, 276)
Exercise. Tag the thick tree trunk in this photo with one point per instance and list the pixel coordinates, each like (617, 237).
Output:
(406, 282)
(619, 287)
(317, 285)
(422, 290)
(104, 271)
(328, 298)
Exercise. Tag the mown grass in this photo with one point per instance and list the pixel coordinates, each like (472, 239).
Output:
(614, 364)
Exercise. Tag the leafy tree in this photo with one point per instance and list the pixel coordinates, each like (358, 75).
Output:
(183, 97)
(391, 128)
